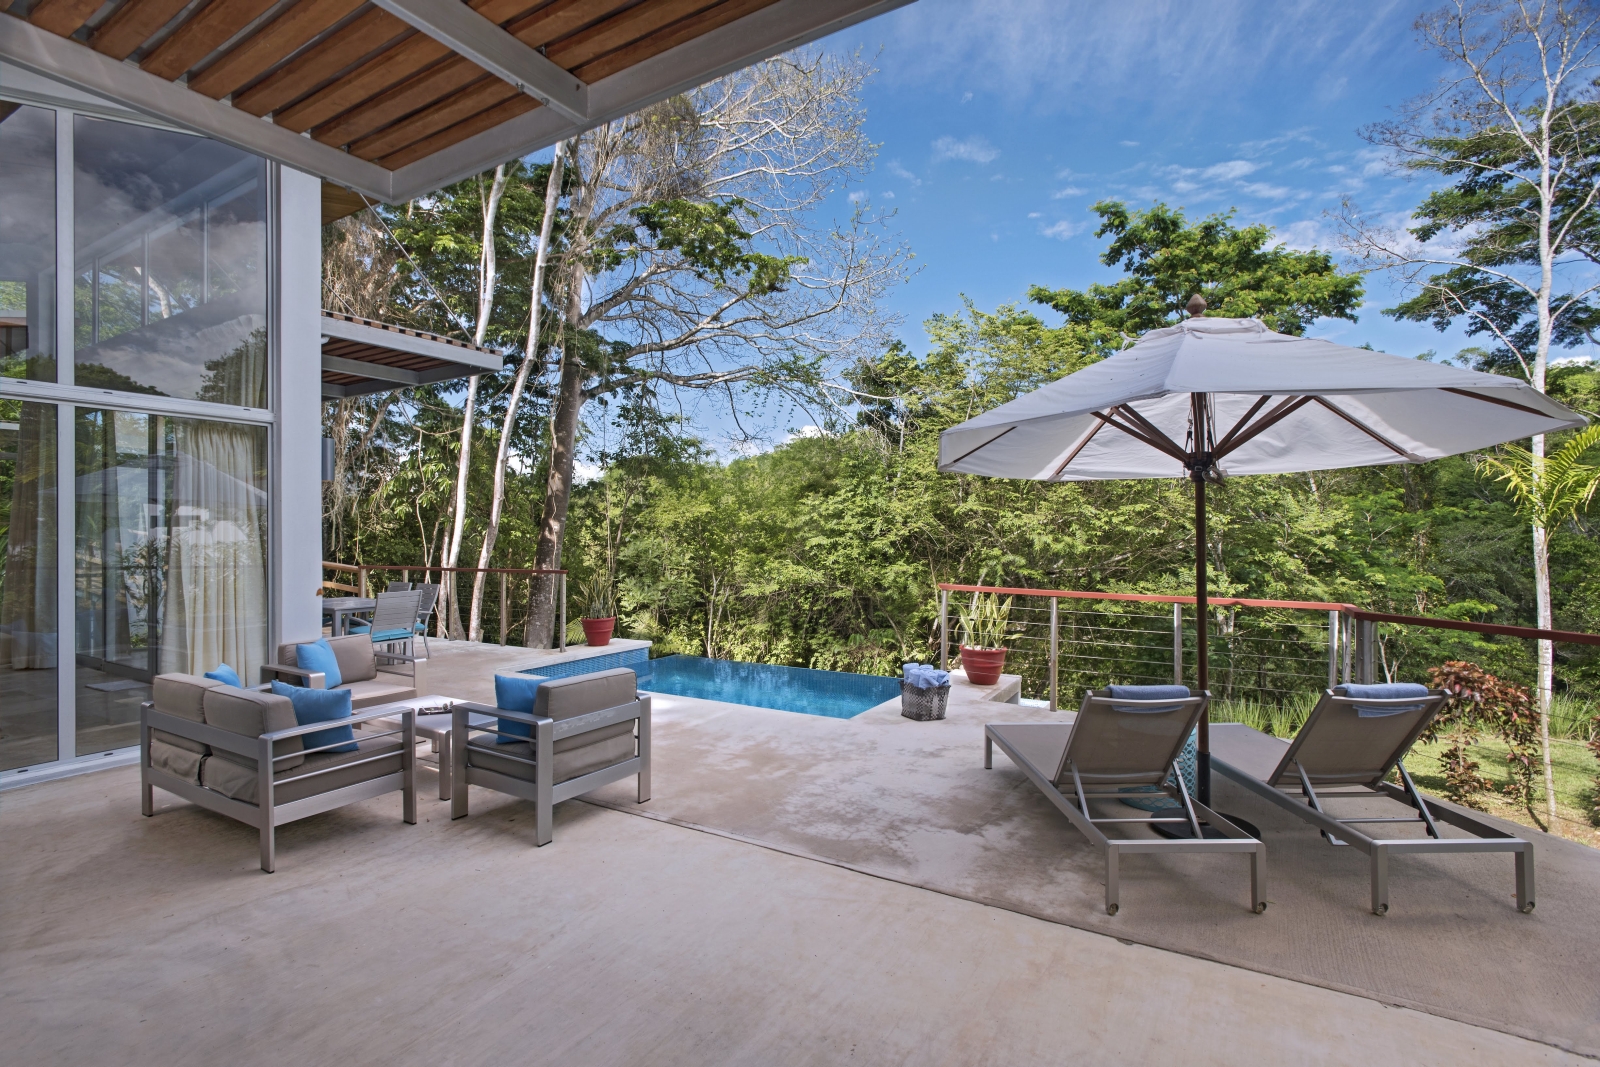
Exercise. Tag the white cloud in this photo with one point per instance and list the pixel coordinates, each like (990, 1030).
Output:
(900, 171)
(1306, 235)
(966, 97)
(1129, 144)
(1267, 191)
(1062, 194)
(585, 472)
(1035, 214)
(805, 431)
(1229, 171)
(1062, 230)
(974, 149)
(887, 194)
(857, 196)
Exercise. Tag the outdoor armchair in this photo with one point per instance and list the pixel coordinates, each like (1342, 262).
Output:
(1346, 750)
(374, 676)
(583, 732)
(240, 753)
(1113, 746)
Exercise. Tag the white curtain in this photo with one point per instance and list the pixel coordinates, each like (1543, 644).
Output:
(215, 602)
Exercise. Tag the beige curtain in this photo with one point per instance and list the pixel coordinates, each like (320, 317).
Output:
(215, 602)
(28, 597)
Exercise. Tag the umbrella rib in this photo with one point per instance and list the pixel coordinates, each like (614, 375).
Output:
(1221, 447)
(986, 444)
(1272, 418)
(1496, 400)
(1369, 431)
(1080, 447)
(1156, 437)
(1139, 435)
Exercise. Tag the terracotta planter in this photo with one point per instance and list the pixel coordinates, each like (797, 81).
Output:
(983, 665)
(598, 631)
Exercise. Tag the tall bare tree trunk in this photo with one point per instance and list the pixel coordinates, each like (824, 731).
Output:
(487, 276)
(558, 484)
(530, 352)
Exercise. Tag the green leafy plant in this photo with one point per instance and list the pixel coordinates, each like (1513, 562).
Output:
(985, 621)
(1479, 701)
(598, 596)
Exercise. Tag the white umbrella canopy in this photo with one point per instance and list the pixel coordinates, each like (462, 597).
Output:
(1268, 403)
(1212, 397)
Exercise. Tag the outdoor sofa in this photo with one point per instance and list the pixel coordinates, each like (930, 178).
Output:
(373, 675)
(240, 753)
(561, 738)
(1116, 745)
(1346, 750)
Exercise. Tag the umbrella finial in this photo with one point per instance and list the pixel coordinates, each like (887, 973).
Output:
(1196, 306)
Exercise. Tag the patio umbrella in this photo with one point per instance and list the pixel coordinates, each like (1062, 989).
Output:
(1212, 397)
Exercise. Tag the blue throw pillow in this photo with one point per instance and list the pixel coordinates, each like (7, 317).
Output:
(516, 692)
(321, 705)
(319, 657)
(226, 675)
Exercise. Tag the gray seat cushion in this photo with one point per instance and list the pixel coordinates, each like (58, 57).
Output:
(354, 654)
(181, 695)
(183, 762)
(232, 780)
(371, 693)
(251, 713)
(574, 756)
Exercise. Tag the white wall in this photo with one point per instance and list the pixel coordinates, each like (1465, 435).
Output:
(296, 568)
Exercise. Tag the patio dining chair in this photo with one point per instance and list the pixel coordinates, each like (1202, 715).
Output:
(1355, 737)
(394, 620)
(425, 606)
(397, 587)
(1125, 737)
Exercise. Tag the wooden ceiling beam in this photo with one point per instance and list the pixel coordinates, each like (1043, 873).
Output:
(688, 29)
(623, 29)
(372, 32)
(62, 17)
(432, 86)
(132, 24)
(200, 35)
(455, 108)
(271, 44)
(519, 104)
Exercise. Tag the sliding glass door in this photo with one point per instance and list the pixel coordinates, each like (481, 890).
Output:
(28, 628)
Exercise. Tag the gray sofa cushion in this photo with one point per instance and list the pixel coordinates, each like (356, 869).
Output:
(181, 695)
(369, 694)
(574, 756)
(232, 780)
(169, 757)
(252, 713)
(357, 661)
(564, 698)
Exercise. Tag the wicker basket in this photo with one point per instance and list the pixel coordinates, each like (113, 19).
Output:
(923, 704)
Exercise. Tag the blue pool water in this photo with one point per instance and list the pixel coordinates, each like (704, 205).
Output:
(764, 685)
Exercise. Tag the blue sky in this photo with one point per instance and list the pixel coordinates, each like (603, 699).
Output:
(1000, 123)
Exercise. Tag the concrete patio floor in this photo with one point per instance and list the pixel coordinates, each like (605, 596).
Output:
(627, 940)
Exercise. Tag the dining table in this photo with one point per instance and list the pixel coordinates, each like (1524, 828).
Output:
(341, 609)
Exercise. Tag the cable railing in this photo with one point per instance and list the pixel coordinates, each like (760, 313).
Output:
(1274, 653)
(508, 599)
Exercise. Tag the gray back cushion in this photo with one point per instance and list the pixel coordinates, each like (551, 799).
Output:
(252, 713)
(357, 663)
(180, 695)
(565, 698)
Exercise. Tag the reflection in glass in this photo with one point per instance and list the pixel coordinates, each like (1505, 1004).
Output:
(171, 549)
(27, 584)
(170, 289)
(27, 242)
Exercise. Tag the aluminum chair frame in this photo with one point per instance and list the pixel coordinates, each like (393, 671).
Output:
(1077, 807)
(385, 664)
(267, 815)
(1339, 832)
(543, 791)
(425, 609)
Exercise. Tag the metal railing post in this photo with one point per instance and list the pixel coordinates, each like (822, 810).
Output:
(1366, 634)
(1055, 649)
(563, 645)
(1333, 649)
(1349, 624)
(944, 629)
(361, 580)
(502, 607)
(1177, 644)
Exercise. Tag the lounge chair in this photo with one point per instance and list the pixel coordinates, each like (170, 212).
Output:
(1120, 740)
(578, 735)
(1354, 737)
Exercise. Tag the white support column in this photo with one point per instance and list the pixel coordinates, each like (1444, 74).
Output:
(295, 569)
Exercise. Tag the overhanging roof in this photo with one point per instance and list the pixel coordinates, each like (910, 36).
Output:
(395, 98)
(360, 356)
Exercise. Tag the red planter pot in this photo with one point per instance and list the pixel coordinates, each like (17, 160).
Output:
(983, 665)
(598, 631)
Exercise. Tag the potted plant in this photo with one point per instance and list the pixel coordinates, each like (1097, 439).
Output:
(982, 625)
(599, 609)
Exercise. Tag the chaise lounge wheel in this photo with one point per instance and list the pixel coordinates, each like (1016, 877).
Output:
(1111, 909)
(1526, 908)
(1259, 908)
(1381, 909)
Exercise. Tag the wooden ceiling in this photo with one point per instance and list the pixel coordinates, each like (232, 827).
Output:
(360, 356)
(358, 78)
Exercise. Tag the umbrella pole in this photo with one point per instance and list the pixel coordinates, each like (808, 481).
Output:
(1201, 609)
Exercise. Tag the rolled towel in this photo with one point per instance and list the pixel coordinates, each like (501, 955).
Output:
(1385, 691)
(924, 676)
(1148, 692)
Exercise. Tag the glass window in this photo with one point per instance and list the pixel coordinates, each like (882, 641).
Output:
(171, 560)
(170, 276)
(27, 242)
(27, 584)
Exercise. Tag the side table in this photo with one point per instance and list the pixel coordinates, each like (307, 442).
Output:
(433, 723)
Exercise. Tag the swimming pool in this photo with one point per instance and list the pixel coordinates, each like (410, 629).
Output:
(834, 694)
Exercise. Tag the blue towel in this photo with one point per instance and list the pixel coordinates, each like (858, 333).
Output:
(1385, 691)
(1148, 692)
(925, 676)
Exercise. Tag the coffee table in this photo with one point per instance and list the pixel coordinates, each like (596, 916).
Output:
(431, 724)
